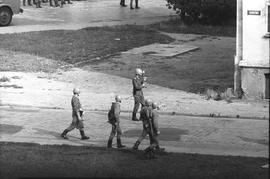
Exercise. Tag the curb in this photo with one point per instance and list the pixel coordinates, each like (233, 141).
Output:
(167, 113)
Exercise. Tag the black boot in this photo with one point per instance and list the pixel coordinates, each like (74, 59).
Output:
(29, 2)
(137, 7)
(159, 148)
(136, 145)
(119, 144)
(109, 144)
(64, 134)
(134, 118)
(84, 137)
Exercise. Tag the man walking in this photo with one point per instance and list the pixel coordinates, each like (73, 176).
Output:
(28, 2)
(77, 113)
(113, 119)
(136, 4)
(145, 117)
(138, 85)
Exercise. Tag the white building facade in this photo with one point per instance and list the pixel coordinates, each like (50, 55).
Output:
(254, 48)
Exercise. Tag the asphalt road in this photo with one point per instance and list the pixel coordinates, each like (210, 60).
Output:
(185, 134)
(88, 13)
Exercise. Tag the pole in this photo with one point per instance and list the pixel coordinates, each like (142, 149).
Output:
(239, 49)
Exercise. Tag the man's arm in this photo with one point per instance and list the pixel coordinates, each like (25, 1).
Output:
(137, 84)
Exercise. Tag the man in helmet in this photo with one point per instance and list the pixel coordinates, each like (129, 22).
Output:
(77, 121)
(138, 85)
(148, 128)
(113, 119)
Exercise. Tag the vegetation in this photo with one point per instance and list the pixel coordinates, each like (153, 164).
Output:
(213, 12)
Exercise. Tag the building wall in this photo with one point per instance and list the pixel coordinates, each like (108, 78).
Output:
(256, 47)
(254, 83)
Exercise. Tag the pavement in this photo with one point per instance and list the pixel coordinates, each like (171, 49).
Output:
(35, 107)
(90, 13)
(185, 134)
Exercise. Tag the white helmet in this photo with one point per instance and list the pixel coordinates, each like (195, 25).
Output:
(138, 71)
(76, 91)
(155, 105)
(118, 98)
(148, 102)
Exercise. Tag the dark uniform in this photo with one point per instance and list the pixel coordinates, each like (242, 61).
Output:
(28, 2)
(113, 119)
(136, 4)
(148, 127)
(56, 4)
(137, 83)
(76, 123)
(122, 3)
(38, 3)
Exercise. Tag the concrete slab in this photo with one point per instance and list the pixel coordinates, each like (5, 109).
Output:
(163, 50)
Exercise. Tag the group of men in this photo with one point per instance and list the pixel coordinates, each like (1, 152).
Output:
(122, 3)
(148, 116)
(38, 2)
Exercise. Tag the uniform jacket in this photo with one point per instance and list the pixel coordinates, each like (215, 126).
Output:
(114, 113)
(145, 115)
(137, 86)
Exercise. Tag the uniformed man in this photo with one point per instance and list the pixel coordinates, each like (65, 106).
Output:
(77, 116)
(28, 2)
(148, 127)
(56, 4)
(136, 4)
(113, 119)
(122, 3)
(138, 83)
(38, 3)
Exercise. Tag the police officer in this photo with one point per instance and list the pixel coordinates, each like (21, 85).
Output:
(138, 83)
(148, 128)
(136, 4)
(55, 3)
(122, 3)
(38, 3)
(77, 114)
(113, 119)
(28, 2)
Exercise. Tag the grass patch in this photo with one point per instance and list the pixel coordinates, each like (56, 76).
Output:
(210, 67)
(81, 45)
(33, 160)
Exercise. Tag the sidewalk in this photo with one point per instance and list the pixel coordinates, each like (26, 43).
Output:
(215, 136)
(98, 91)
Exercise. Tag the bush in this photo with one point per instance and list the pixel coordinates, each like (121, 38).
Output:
(210, 12)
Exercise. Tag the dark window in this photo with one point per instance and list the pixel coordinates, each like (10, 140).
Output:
(268, 18)
(267, 86)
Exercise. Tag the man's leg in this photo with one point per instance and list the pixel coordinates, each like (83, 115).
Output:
(131, 4)
(113, 132)
(81, 128)
(137, 143)
(119, 133)
(70, 128)
(136, 2)
(136, 108)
